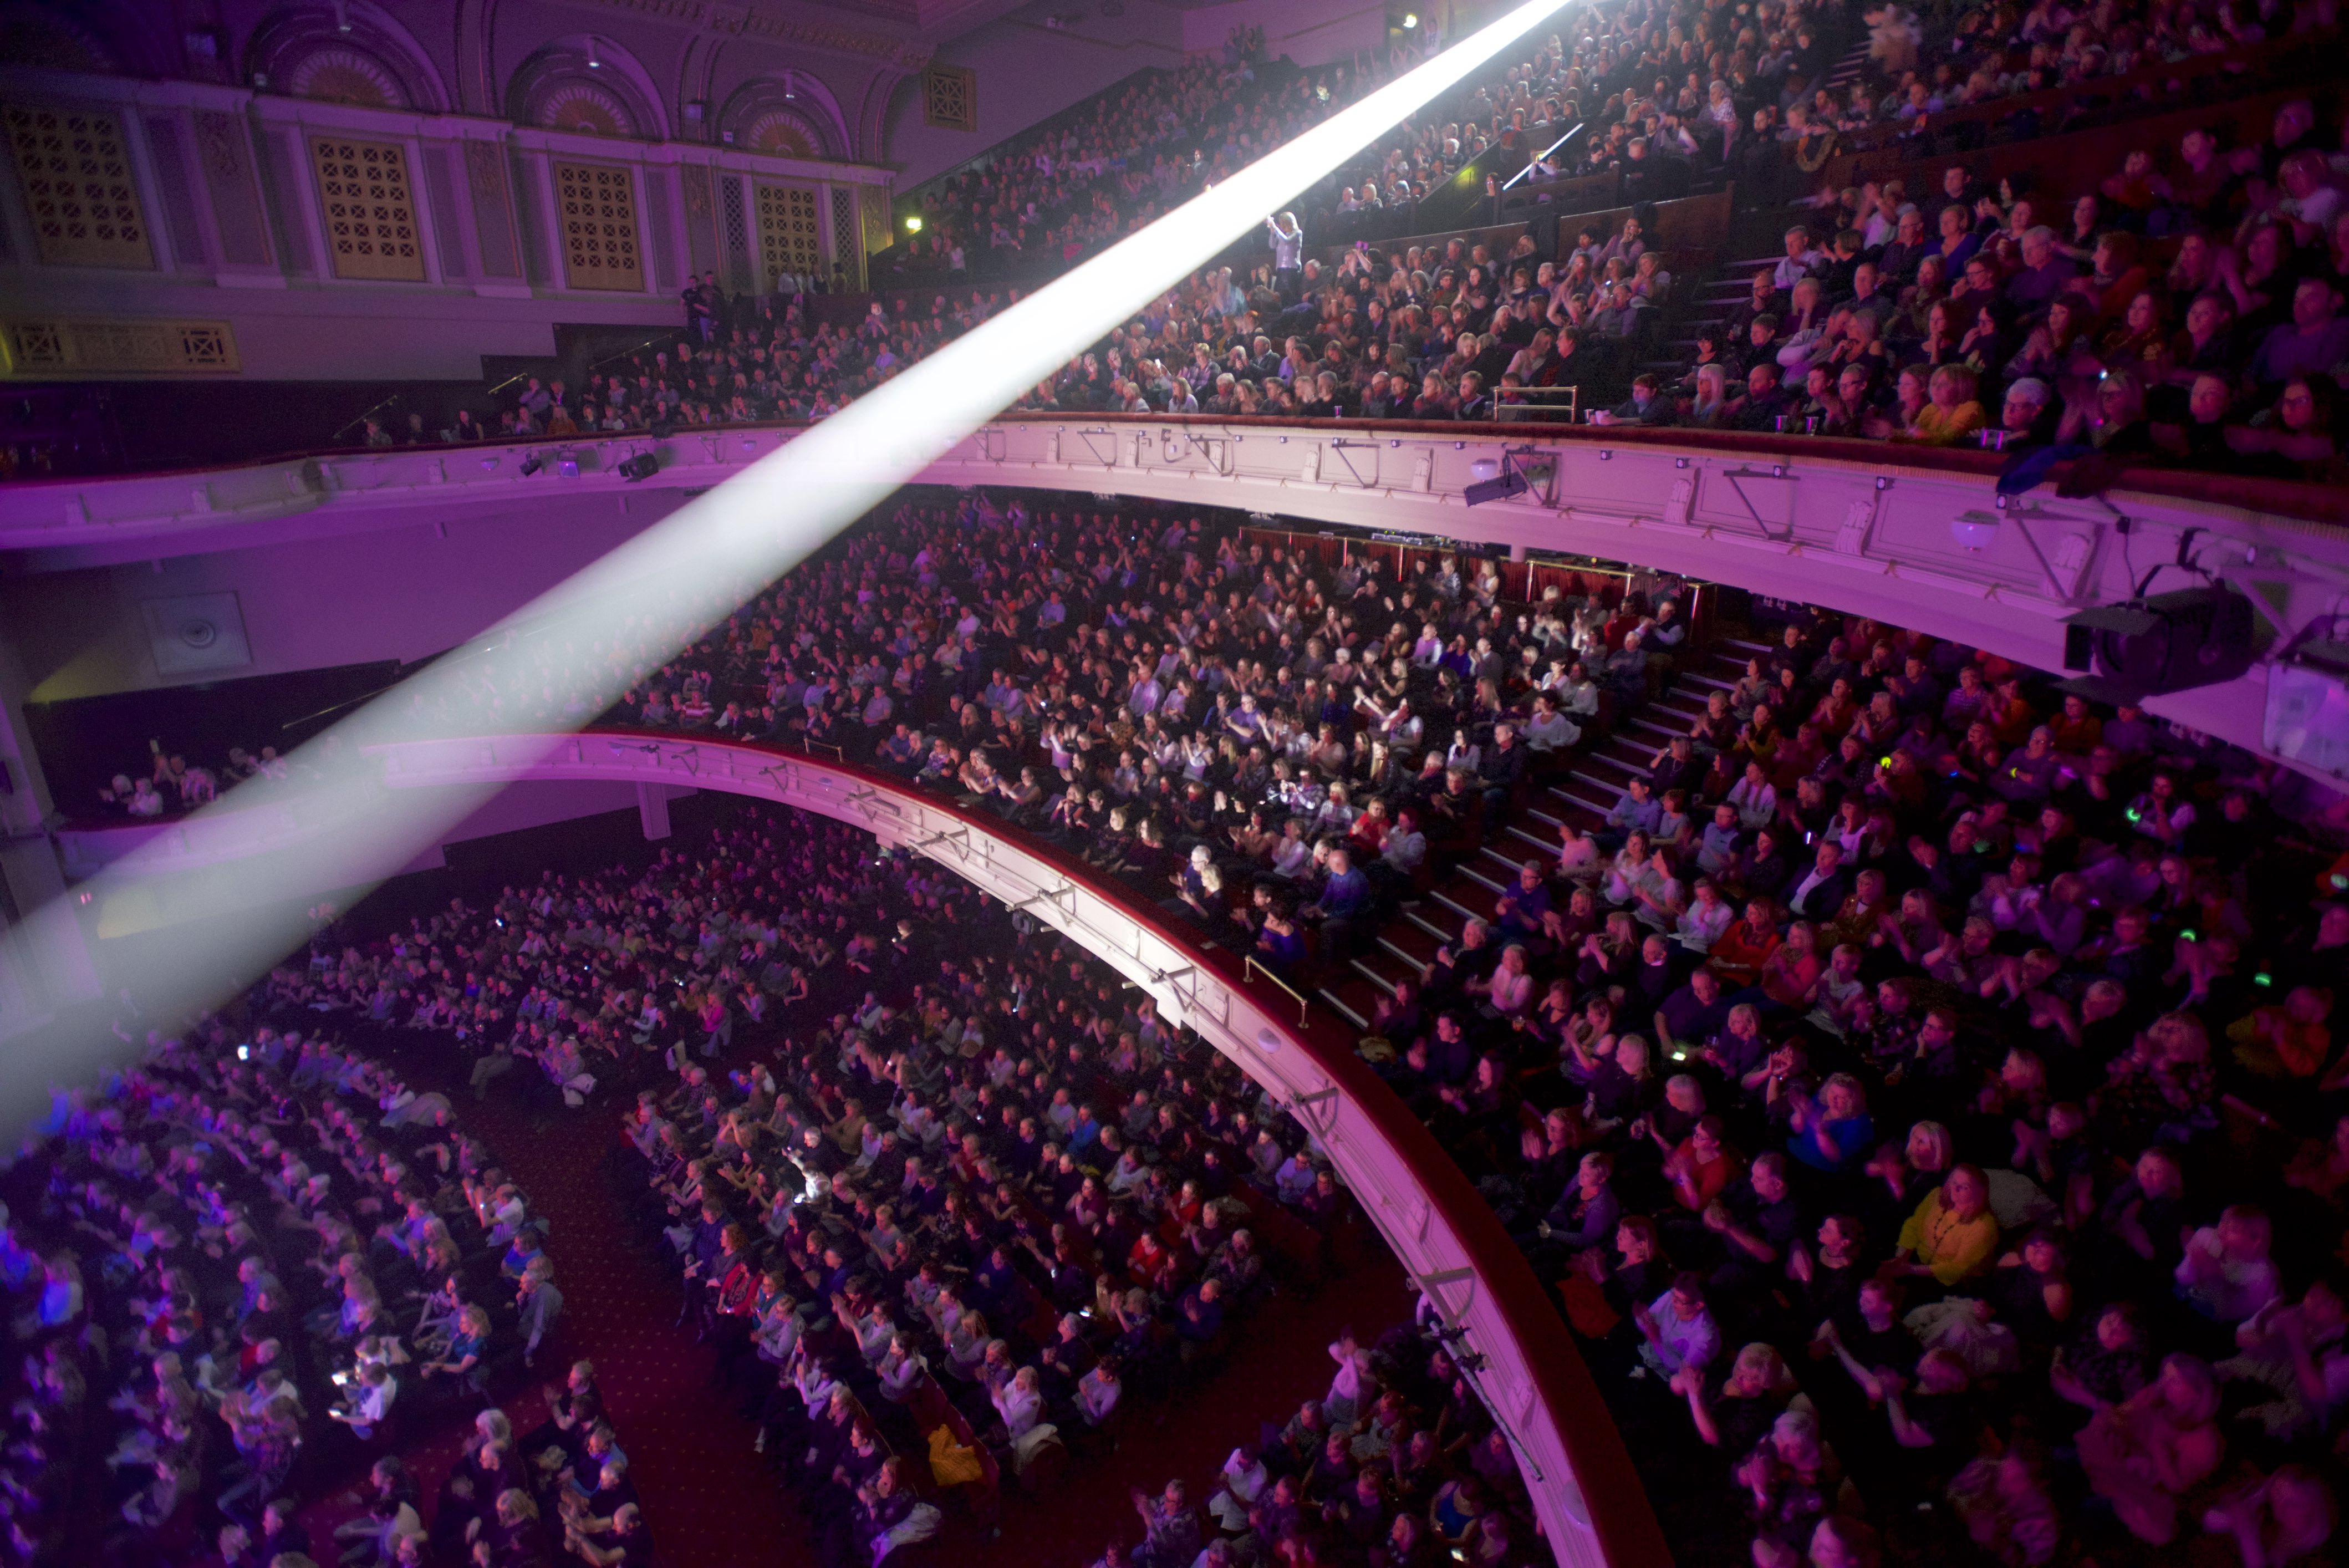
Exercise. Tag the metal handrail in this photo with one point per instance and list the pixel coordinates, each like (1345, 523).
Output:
(1251, 966)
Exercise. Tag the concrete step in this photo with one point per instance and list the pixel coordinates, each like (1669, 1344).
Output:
(1546, 848)
(1469, 902)
(1582, 800)
(1507, 865)
(1351, 998)
(1479, 870)
(1410, 944)
(1436, 920)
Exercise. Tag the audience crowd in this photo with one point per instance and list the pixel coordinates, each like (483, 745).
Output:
(171, 785)
(1919, 1089)
(954, 1232)
(2185, 307)
(252, 1263)
(1914, 1084)
(955, 1229)
(1956, 1048)
(1883, 894)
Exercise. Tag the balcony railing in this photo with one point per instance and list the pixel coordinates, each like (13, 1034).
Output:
(1917, 536)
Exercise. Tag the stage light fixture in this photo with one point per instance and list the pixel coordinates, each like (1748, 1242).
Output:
(1500, 487)
(532, 464)
(641, 467)
(2142, 647)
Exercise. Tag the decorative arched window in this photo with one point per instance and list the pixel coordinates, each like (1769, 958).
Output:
(583, 109)
(790, 116)
(338, 73)
(586, 85)
(353, 55)
(782, 133)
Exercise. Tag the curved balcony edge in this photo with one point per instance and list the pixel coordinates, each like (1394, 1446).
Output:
(1917, 537)
(1587, 1491)
(302, 478)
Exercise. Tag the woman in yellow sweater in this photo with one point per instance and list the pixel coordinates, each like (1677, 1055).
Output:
(1951, 414)
(1953, 1235)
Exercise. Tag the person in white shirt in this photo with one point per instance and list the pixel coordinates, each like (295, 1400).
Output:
(1549, 731)
(1577, 854)
(1678, 1327)
(1757, 803)
(1294, 853)
(1353, 1387)
(1288, 241)
(1707, 917)
(1244, 1480)
(1098, 1391)
(1019, 1403)
(369, 1401)
(1402, 728)
(1575, 692)
(1406, 846)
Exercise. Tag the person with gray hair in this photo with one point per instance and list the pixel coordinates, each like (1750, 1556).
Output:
(2045, 274)
(2029, 415)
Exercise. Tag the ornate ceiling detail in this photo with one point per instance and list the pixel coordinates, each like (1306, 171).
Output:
(359, 56)
(783, 134)
(582, 107)
(741, 21)
(339, 74)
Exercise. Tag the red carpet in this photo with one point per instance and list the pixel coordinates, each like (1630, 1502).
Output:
(710, 1499)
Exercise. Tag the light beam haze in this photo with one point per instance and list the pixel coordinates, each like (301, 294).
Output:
(748, 531)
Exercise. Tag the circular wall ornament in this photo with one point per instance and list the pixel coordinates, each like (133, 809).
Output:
(781, 133)
(583, 108)
(338, 73)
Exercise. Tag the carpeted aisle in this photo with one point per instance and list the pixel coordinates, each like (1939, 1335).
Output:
(706, 1494)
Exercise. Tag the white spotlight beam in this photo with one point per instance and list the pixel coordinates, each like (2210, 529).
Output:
(750, 530)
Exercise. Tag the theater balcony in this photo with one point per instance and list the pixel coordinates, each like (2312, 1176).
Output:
(1924, 538)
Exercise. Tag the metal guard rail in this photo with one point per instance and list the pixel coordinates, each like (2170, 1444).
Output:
(2279, 497)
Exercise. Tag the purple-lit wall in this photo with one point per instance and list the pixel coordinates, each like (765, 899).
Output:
(1027, 71)
(396, 593)
(1311, 34)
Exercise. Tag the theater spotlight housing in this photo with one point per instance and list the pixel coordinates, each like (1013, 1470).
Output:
(2171, 642)
(532, 464)
(641, 467)
(1508, 483)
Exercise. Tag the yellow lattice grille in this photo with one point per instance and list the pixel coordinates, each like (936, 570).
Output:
(371, 208)
(599, 226)
(78, 189)
(52, 349)
(791, 235)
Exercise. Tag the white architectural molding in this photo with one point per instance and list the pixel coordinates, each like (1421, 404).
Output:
(284, 821)
(1921, 540)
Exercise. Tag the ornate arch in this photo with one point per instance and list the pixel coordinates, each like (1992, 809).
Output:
(873, 113)
(790, 116)
(48, 39)
(355, 54)
(588, 86)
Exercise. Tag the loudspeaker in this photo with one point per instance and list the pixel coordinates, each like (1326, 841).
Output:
(196, 632)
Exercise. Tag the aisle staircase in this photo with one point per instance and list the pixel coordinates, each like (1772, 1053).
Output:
(1583, 792)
